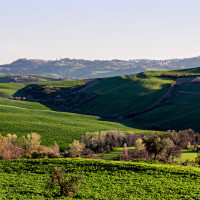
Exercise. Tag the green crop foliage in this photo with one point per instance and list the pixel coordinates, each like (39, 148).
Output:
(26, 179)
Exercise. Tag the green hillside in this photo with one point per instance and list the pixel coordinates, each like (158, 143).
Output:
(137, 93)
(12, 89)
(54, 125)
(131, 93)
(25, 78)
(124, 94)
(117, 95)
(26, 179)
(21, 117)
(181, 111)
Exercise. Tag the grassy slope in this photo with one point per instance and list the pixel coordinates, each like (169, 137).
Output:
(126, 94)
(54, 126)
(116, 95)
(7, 78)
(11, 89)
(183, 113)
(26, 179)
(24, 117)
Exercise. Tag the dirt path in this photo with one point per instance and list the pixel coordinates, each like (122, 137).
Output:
(90, 84)
(188, 92)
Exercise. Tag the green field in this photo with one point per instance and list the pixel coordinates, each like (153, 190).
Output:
(186, 154)
(21, 117)
(124, 94)
(16, 89)
(118, 95)
(7, 78)
(26, 179)
(54, 125)
(112, 155)
(181, 111)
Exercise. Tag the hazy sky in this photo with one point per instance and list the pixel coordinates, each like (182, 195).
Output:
(99, 29)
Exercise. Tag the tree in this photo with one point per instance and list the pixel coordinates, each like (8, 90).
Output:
(125, 149)
(31, 142)
(76, 148)
(66, 182)
(139, 144)
(7, 150)
(174, 152)
(154, 145)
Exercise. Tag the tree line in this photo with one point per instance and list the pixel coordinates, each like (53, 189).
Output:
(163, 147)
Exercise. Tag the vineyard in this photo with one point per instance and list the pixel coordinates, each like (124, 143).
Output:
(26, 179)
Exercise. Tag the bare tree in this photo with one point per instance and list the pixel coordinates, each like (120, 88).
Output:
(76, 148)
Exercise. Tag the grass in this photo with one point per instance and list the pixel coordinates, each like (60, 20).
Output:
(181, 111)
(13, 89)
(7, 78)
(124, 94)
(111, 155)
(62, 127)
(188, 155)
(26, 179)
(54, 125)
(114, 95)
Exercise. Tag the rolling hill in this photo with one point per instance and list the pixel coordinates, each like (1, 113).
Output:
(129, 103)
(84, 69)
(18, 78)
(52, 123)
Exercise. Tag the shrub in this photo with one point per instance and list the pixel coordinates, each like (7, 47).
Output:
(197, 159)
(76, 148)
(136, 153)
(31, 142)
(186, 163)
(35, 154)
(65, 181)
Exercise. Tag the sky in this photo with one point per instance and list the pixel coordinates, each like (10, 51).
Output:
(99, 29)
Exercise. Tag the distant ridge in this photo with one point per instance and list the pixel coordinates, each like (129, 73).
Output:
(83, 69)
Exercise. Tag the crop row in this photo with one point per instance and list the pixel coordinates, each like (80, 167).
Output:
(26, 179)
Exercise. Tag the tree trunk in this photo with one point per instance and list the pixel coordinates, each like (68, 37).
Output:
(61, 190)
(155, 156)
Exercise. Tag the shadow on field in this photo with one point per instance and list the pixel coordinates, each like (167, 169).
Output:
(23, 93)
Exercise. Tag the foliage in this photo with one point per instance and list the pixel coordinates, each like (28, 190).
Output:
(197, 159)
(8, 150)
(66, 182)
(154, 145)
(12, 147)
(104, 141)
(31, 142)
(76, 148)
(26, 179)
(139, 143)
